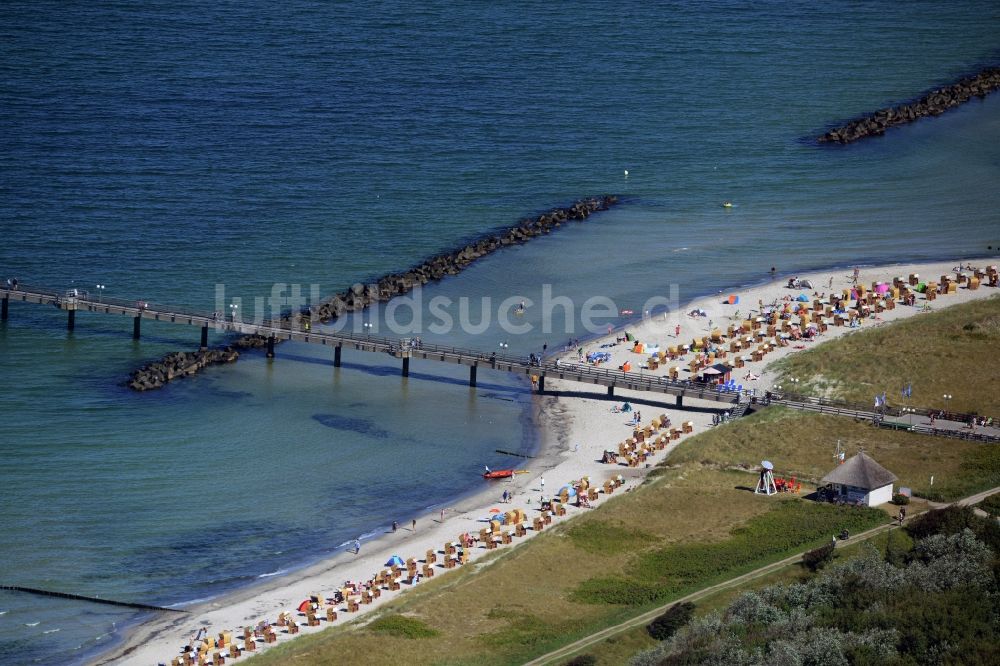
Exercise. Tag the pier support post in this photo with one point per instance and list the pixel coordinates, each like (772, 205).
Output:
(541, 383)
(204, 337)
(270, 346)
(336, 356)
(680, 401)
(3, 308)
(406, 366)
(71, 322)
(136, 327)
(472, 375)
(611, 390)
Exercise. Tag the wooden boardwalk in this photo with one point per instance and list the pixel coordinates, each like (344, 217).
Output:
(74, 301)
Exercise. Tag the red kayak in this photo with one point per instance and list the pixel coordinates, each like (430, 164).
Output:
(499, 474)
(503, 473)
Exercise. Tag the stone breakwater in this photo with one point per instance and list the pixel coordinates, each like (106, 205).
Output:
(361, 296)
(178, 364)
(184, 364)
(933, 103)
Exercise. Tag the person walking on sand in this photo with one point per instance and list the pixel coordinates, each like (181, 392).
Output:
(395, 526)
(357, 546)
(541, 480)
(413, 525)
(677, 331)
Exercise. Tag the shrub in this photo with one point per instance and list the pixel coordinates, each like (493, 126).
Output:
(900, 499)
(582, 660)
(819, 558)
(941, 608)
(952, 520)
(673, 619)
(991, 505)
(402, 626)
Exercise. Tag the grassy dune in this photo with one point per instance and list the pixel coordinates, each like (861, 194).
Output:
(949, 351)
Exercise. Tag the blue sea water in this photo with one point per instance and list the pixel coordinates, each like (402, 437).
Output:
(165, 149)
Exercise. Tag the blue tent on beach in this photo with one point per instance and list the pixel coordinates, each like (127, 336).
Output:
(802, 298)
(397, 560)
(570, 490)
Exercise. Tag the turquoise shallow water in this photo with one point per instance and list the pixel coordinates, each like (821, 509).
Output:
(164, 151)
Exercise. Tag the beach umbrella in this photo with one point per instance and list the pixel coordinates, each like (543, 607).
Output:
(495, 510)
(305, 605)
(397, 560)
(806, 284)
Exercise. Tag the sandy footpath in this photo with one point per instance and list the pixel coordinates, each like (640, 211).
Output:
(576, 430)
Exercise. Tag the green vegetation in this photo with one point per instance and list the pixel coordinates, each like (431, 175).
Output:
(596, 536)
(940, 603)
(944, 352)
(673, 619)
(991, 505)
(661, 573)
(403, 626)
(955, 520)
(582, 660)
(816, 559)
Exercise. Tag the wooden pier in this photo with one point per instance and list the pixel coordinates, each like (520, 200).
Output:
(73, 301)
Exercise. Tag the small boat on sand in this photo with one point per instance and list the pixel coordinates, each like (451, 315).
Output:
(503, 473)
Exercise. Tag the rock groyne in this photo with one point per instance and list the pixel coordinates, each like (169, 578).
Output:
(933, 103)
(360, 296)
(184, 364)
(178, 364)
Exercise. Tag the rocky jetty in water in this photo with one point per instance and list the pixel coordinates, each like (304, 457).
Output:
(357, 298)
(933, 103)
(360, 296)
(178, 364)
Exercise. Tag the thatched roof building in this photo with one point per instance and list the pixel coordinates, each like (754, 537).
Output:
(861, 478)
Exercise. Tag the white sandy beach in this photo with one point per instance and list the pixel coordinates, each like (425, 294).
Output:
(576, 430)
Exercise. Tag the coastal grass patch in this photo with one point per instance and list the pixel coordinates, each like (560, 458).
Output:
(601, 537)
(803, 444)
(402, 626)
(661, 573)
(950, 351)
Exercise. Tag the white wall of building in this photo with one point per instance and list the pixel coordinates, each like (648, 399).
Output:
(879, 496)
